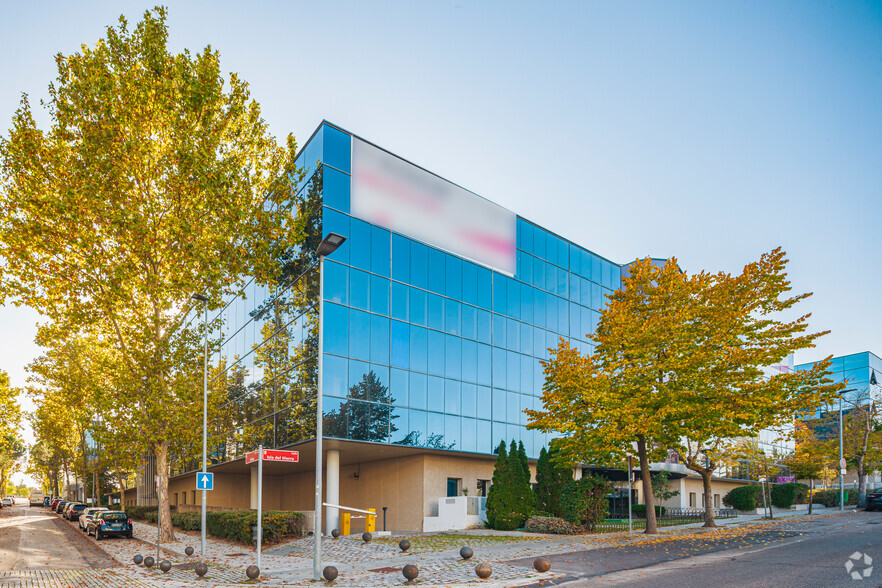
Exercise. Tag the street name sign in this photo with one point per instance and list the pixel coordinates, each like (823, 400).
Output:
(204, 481)
(274, 455)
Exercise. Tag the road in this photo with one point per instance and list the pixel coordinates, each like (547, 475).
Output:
(36, 539)
(799, 553)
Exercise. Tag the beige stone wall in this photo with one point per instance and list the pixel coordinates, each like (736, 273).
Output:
(409, 486)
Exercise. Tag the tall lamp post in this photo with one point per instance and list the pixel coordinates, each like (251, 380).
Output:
(204, 300)
(328, 245)
(841, 455)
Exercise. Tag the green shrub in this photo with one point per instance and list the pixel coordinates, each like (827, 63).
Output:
(744, 498)
(584, 501)
(510, 500)
(231, 524)
(801, 492)
(640, 510)
(784, 495)
(550, 525)
(830, 498)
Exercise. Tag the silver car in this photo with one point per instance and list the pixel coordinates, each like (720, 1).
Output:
(87, 515)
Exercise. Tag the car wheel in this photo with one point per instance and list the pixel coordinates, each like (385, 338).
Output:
(97, 535)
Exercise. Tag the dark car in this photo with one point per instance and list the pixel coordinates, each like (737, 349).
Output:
(66, 508)
(60, 506)
(75, 510)
(874, 499)
(110, 522)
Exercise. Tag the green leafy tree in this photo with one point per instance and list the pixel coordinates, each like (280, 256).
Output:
(510, 500)
(525, 464)
(156, 179)
(584, 500)
(661, 487)
(551, 477)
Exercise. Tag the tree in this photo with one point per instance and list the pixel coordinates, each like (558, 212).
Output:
(525, 464)
(807, 460)
(551, 477)
(12, 448)
(584, 500)
(510, 499)
(620, 398)
(156, 179)
(862, 440)
(737, 330)
(678, 365)
(661, 487)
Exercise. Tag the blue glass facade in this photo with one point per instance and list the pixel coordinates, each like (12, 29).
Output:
(860, 371)
(422, 348)
(432, 349)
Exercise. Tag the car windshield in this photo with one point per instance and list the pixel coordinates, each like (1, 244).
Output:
(78, 507)
(114, 516)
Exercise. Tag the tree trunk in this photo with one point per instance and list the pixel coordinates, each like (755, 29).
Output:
(708, 499)
(810, 492)
(2, 483)
(862, 483)
(648, 496)
(769, 486)
(161, 450)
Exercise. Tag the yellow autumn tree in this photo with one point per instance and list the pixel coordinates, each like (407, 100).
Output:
(156, 179)
(678, 365)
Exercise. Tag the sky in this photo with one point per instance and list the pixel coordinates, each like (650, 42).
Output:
(713, 132)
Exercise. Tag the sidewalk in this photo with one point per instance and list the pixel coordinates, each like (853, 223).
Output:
(379, 562)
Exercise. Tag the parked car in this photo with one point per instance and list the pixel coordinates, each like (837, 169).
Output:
(75, 510)
(54, 503)
(874, 499)
(110, 522)
(87, 515)
(7, 501)
(36, 498)
(60, 506)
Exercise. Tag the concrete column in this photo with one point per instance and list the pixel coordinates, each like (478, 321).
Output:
(254, 486)
(332, 489)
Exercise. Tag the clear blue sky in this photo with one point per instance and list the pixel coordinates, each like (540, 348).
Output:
(712, 131)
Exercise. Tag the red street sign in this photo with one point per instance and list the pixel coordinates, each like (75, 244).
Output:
(274, 455)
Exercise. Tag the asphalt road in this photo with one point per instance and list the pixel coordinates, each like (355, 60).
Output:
(800, 553)
(37, 539)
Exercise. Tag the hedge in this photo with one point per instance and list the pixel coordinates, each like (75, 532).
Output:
(830, 498)
(640, 510)
(743, 498)
(230, 524)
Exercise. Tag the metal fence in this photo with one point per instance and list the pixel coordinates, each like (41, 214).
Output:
(670, 516)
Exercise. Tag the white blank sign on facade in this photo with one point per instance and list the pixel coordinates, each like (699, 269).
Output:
(392, 193)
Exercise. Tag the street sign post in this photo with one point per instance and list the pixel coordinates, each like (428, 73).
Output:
(204, 481)
(260, 456)
(273, 455)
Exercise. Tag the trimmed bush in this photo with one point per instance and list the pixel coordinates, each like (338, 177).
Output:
(230, 524)
(784, 495)
(801, 492)
(744, 498)
(830, 498)
(584, 501)
(550, 525)
(510, 500)
(639, 510)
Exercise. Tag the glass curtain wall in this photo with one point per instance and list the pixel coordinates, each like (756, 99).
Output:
(427, 349)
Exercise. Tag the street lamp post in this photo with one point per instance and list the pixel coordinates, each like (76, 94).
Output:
(204, 300)
(841, 455)
(328, 245)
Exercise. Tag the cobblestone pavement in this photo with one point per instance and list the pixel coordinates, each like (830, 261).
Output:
(374, 564)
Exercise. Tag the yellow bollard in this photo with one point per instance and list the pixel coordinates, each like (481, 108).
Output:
(370, 523)
(346, 524)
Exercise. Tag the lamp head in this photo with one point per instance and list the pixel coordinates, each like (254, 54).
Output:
(329, 244)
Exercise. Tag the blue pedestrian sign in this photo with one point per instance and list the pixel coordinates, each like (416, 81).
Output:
(204, 481)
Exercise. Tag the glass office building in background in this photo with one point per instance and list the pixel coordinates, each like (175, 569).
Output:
(860, 372)
(437, 311)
